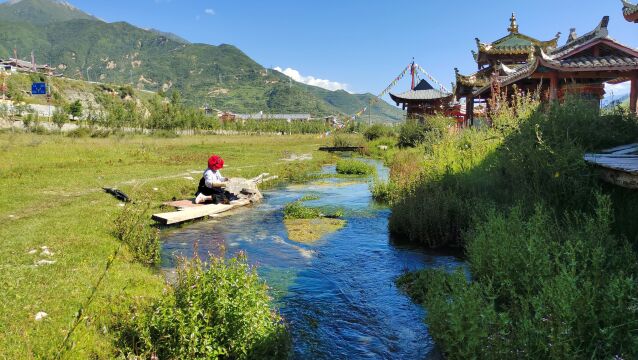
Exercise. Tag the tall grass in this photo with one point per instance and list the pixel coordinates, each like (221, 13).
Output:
(538, 156)
(543, 287)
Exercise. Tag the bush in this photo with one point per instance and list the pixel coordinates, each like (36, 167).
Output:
(166, 134)
(541, 288)
(219, 310)
(133, 228)
(377, 131)
(59, 118)
(354, 167)
(80, 132)
(411, 134)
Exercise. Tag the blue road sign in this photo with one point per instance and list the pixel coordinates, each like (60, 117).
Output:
(39, 89)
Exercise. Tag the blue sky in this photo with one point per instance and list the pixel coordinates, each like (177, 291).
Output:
(362, 44)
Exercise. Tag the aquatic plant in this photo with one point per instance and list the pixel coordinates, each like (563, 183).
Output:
(297, 210)
(214, 310)
(354, 167)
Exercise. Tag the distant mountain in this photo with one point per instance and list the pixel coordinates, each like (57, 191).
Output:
(622, 100)
(40, 11)
(171, 36)
(223, 77)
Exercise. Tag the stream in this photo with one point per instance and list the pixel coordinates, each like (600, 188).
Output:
(337, 295)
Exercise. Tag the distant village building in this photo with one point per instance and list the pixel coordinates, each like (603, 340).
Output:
(262, 116)
(580, 67)
(14, 65)
(630, 11)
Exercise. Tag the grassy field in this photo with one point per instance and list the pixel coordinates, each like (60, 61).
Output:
(50, 197)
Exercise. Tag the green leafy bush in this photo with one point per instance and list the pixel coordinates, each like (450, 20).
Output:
(354, 167)
(411, 134)
(377, 131)
(542, 287)
(220, 310)
(80, 132)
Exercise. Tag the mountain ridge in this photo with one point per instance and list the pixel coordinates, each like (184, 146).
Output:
(221, 76)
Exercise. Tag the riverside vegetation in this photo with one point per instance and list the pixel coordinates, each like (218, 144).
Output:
(72, 252)
(550, 249)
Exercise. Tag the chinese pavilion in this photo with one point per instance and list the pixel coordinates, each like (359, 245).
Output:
(423, 100)
(630, 11)
(582, 66)
(503, 56)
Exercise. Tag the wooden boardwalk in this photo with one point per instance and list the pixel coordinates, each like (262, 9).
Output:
(619, 165)
(246, 191)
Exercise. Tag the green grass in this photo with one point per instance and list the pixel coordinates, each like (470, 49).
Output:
(50, 195)
(354, 167)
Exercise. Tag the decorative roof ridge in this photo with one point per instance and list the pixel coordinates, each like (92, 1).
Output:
(544, 43)
(600, 32)
(629, 8)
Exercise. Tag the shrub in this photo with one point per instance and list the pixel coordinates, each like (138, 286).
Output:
(133, 228)
(411, 134)
(541, 287)
(217, 310)
(80, 132)
(341, 140)
(377, 131)
(354, 167)
(59, 118)
(166, 134)
(384, 191)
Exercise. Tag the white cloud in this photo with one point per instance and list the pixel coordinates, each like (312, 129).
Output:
(311, 80)
(209, 12)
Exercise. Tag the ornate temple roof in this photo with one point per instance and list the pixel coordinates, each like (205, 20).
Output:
(574, 57)
(630, 11)
(514, 43)
(423, 91)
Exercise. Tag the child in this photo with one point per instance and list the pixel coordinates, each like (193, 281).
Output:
(211, 186)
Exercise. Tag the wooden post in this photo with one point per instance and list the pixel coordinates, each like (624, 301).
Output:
(469, 111)
(633, 93)
(553, 86)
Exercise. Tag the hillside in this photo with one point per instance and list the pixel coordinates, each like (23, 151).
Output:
(223, 77)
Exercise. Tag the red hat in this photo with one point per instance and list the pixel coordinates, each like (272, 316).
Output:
(215, 163)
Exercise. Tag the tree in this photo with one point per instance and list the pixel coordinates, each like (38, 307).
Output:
(60, 117)
(75, 109)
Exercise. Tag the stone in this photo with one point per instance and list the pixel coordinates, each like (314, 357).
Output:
(40, 316)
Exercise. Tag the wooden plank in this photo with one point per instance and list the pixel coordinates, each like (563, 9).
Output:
(182, 204)
(620, 178)
(199, 212)
(340, 148)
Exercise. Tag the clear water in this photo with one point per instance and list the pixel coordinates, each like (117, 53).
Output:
(338, 295)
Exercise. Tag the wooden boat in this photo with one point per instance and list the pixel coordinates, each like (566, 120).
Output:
(246, 191)
(619, 165)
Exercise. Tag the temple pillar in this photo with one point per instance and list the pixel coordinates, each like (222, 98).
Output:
(553, 86)
(633, 93)
(469, 111)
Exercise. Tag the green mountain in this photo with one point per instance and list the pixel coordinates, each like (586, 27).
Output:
(40, 11)
(80, 46)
